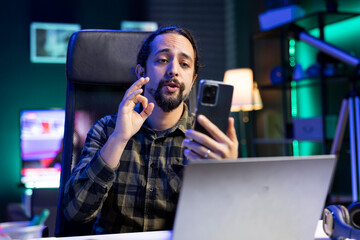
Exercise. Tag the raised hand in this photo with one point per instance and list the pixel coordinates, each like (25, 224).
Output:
(128, 122)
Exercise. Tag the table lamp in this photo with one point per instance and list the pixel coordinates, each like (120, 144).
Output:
(242, 80)
(246, 97)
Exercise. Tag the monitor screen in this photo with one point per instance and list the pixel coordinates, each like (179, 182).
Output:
(41, 135)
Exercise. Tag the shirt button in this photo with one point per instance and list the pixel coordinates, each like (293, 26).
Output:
(151, 189)
(152, 165)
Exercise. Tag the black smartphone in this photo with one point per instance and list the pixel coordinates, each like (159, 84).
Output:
(214, 101)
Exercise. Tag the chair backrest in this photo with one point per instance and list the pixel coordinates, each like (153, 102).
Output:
(99, 69)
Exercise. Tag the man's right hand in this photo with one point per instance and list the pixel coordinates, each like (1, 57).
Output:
(128, 122)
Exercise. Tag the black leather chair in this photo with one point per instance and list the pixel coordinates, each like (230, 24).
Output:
(99, 69)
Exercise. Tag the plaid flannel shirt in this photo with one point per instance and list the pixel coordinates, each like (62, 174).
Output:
(141, 193)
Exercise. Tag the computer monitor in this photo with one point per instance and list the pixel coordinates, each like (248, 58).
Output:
(41, 135)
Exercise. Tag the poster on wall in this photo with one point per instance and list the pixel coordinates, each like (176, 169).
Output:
(138, 26)
(49, 41)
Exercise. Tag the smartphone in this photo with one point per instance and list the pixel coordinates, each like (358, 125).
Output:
(214, 101)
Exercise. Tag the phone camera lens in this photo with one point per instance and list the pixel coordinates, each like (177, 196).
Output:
(209, 96)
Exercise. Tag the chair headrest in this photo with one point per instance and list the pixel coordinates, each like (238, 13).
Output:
(103, 56)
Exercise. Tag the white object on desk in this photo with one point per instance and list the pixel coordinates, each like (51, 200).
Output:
(162, 235)
(154, 235)
(319, 233)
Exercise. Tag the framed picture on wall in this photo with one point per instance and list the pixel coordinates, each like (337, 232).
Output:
(138, 26)
(49, 41)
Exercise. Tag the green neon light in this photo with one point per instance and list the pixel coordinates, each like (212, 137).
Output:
(296, 149)
(305, 94)
(28, 192)
(294, 107)
(292, 60)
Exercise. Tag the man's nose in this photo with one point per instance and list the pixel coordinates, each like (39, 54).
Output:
(173, 69)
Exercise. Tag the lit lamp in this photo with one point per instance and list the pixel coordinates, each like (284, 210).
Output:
(242, 80)
(246, 97)
(257, 102)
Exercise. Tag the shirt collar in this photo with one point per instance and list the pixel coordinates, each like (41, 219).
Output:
(185, 122)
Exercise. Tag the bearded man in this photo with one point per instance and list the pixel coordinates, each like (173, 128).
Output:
(130, 173)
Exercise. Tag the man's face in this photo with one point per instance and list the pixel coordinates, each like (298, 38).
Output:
(170, 67)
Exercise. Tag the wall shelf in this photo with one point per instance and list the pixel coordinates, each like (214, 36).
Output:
(271, 49)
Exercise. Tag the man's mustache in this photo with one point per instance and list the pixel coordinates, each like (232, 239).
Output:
(170, 81)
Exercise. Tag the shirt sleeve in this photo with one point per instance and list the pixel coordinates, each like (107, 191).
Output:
(91, 179)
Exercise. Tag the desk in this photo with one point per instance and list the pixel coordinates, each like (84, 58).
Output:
(160, 235)
(155, 235)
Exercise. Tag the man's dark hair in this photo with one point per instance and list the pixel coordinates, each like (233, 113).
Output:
(146, 47)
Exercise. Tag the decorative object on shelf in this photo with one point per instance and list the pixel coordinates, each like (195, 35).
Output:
(276, 75)
(298, 72)
(307, 128)
(331, 65)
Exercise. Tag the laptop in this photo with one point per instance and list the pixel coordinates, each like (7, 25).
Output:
(278, 198)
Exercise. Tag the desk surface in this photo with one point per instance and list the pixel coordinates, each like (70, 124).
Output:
(156, 235)
(161, 235)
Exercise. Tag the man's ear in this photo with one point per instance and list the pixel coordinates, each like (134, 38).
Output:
(193, 81)
(140, 71)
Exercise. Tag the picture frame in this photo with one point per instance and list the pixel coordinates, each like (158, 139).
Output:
(49, 41)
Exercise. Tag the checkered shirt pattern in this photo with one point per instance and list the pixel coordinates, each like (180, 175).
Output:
(141, 193)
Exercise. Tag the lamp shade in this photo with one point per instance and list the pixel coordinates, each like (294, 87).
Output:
(242, 80)
(257, 102)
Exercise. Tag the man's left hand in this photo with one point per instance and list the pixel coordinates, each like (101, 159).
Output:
(221, 146)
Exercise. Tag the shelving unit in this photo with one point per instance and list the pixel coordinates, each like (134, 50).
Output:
(313, 99)
(273, 133)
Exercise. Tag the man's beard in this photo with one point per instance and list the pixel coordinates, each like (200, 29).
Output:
(168, 103)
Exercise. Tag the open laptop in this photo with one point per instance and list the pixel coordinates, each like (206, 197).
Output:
(278, 198)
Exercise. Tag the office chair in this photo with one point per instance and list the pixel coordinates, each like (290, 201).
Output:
(99, 69)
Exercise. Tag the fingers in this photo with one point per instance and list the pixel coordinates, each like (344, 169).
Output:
(147, 111)
(231, 132)
(198, 151)
(211, 128)
(200, 143)
(134, 98)
(222, 146)
(200, 138)
(137, 85)
(132, 95)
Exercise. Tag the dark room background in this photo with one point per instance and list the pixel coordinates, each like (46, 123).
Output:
(223, 29)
